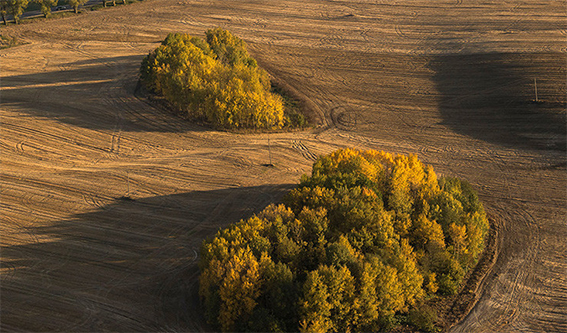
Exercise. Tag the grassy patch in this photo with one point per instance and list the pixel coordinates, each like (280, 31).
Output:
(54, 15)
(97, 7)
(6, 42)
(293, 117)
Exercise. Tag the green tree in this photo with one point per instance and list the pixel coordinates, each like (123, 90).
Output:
(341, 286)
(76, 3)
(16, 8)
(113, 2)
(316, 305)
(46, 6)
(4, 10)
(239, 289)
(278, 298)
(230, 288)
(423, 318)
(229, 49)
(381, 281)
(409, 276)
(367, 303)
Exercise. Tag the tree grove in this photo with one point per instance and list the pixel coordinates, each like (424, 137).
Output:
(213, 79)
(356, 246)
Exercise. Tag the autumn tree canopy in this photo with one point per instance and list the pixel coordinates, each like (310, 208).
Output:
(14, 7)
(76, 3)
(46, 6)
(356, 246)
(214, 79)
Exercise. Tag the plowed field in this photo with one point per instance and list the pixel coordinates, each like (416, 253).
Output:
(450, 81)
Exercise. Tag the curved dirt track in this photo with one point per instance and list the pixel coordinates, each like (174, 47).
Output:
(450, 81)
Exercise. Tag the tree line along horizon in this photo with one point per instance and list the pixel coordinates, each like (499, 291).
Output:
(360, 245)
(16, 8)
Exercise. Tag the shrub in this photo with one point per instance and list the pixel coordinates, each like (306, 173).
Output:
(357, 246)
(215, 80)
(423, 318)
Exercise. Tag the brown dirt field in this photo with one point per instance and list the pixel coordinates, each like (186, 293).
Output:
(450, 81)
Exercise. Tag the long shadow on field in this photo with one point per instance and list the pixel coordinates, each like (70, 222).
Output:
(129, 266)
(491, 97)
(93, 93)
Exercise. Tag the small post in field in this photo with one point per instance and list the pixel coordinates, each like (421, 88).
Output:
(535, 88)
(269, 150)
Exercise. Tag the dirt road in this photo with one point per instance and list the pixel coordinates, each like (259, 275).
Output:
(450, 81)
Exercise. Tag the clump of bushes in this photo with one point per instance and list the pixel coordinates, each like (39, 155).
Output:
(6, 42)
(214, 79)
(423, 318)
(358, 246)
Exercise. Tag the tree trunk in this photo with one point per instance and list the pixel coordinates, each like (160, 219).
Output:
(114, 3)
(76, 9)
(104, 4)
(4, 18)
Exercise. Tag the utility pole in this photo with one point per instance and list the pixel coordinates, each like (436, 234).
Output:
(269, 150)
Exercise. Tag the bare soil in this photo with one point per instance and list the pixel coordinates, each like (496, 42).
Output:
(450, 81)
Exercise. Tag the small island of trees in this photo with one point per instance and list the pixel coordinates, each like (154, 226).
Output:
(215, 80)
(359, 245)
